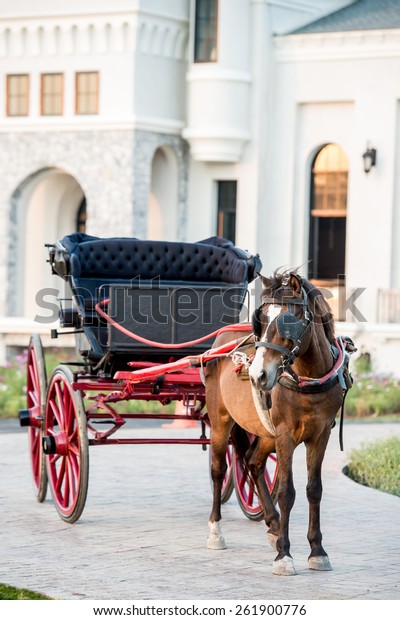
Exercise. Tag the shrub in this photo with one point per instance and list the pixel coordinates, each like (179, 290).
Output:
(13, 380)
(377, 465)
(13, 386)
(372, 394)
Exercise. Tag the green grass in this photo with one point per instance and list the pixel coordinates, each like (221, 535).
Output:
(9, 593)
(377, 465)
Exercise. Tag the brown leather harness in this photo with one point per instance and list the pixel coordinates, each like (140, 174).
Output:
(293, 328)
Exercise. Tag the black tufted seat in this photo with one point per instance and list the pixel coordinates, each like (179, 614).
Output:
(124, 259)
(97, 268)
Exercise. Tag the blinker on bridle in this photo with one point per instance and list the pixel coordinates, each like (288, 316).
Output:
(289, 327)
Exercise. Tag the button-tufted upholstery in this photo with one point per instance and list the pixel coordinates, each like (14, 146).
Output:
(212, 260)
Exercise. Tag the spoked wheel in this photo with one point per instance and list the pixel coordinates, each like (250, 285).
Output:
(66, 446)
(36, 397)
(246, 490)
(227, 485)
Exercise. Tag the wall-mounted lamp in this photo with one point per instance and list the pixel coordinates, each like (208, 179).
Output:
(369, 158)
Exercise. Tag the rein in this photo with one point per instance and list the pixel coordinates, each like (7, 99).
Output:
(306, 384)
(163, 345)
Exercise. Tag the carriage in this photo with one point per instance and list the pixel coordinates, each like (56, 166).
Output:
(144, 315)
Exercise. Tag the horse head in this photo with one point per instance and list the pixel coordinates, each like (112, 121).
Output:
(282, 328)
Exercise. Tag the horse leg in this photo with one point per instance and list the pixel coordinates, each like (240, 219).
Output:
(283, 563)
(256, 463)
(318, 559)
(218, 446)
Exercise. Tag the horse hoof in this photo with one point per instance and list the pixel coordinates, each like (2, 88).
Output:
(215, 539)
(272, 539)
(284, 566)
(319, 562)
(216, 543)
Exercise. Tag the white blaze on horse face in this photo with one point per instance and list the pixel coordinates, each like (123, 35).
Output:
(273, 312)
(258, 362)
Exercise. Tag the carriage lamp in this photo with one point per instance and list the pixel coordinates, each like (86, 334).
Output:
(369, 158)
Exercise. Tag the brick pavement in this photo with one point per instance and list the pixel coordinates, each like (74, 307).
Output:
(142, 535)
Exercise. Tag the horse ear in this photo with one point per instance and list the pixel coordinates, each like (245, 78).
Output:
(266, 282)
(295, 282)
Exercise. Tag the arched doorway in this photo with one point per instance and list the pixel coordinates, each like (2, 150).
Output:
(45, 207)
(162, 214)
(328, 211)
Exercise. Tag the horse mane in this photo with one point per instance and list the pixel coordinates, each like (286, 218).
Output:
(277, 287)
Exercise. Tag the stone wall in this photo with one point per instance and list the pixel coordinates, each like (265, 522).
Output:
(113, 168)
(100, 161)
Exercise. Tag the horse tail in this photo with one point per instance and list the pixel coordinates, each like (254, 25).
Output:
(241, 442)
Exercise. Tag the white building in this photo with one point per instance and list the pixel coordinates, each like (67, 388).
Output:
(180, 119)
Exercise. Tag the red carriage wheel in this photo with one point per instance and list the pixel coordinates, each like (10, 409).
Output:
(66, 445)
(36, 395)
(245, 488)
(227, 485)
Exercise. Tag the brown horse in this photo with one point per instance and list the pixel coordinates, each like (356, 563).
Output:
(298, 375)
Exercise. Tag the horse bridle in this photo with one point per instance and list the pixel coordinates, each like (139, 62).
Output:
(289, 327)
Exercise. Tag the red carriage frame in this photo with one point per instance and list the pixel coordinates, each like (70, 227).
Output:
(63, 412)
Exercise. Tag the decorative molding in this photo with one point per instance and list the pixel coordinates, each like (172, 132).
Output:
(337, 45)
(216, 144)
(158, 125)
(389, 331)
(91, 15)
(311, 7)
(152, 33)
(67, 38)
(219, 133)
(294, 4)
(62, 124)
(168, 39)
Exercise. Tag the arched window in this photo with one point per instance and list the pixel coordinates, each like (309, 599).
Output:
(327, 239)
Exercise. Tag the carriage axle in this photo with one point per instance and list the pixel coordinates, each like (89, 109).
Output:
(30, 417)
(55, 444)
(49, 444)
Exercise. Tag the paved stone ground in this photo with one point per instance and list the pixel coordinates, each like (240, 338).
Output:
(142, 535)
